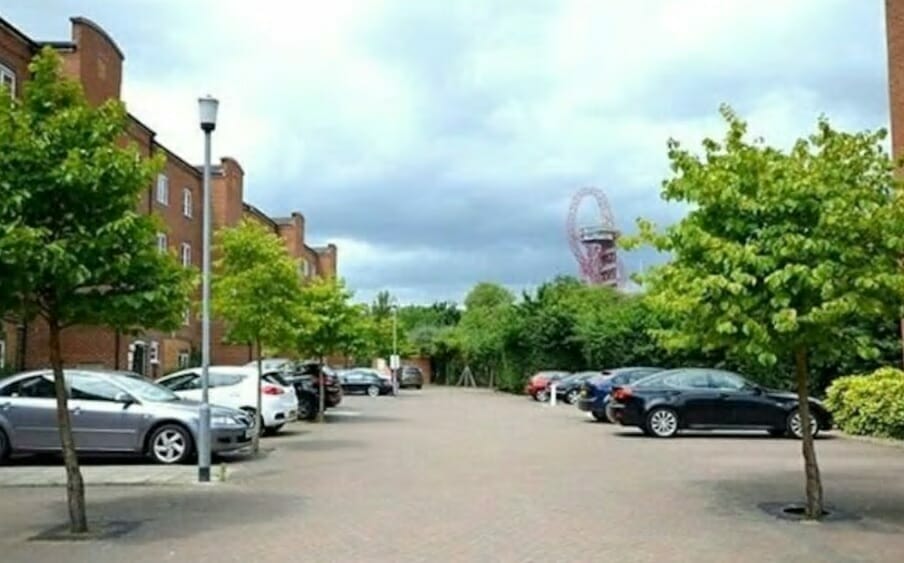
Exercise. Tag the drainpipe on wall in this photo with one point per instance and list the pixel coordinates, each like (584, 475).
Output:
(116, 345)
(21, 345)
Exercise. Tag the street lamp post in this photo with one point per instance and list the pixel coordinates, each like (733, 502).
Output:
(208, 111)
(395, 350)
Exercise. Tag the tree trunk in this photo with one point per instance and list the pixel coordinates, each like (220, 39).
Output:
(256, 439)
(811, 467)
(75, 486)
(321, 383)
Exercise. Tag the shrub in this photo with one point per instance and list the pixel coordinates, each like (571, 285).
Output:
(871, 404)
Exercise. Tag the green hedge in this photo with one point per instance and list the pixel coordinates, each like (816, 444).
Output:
(869, 405)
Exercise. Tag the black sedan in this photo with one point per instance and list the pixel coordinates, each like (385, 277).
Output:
(365, 381)
(569, 387)
(709, 399)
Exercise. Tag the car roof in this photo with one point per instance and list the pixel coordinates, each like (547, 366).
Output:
(236, 370)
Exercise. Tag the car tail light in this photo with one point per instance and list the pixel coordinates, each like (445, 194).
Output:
(622, 393)
(272, 390)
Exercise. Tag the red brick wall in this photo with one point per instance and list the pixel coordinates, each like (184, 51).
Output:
(96, 62)
(15, 54)
(894, 22)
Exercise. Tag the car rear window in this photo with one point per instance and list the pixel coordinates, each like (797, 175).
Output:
(276, 378)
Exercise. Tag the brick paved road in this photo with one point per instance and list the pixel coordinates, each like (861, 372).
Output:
(461, 475)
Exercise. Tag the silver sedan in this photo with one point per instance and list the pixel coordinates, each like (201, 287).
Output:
(111, 413)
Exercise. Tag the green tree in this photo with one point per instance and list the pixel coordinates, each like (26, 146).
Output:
(257, 291)
(485, 328)
(382, 306)
(326, 301)
(782, 254)
(73, 249)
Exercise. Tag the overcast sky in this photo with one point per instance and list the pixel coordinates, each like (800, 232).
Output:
(438, 143)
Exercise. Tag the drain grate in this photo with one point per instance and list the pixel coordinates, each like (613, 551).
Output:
(795, 512)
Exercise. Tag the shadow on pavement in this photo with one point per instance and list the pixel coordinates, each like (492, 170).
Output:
(165, 514)
(335, 418)
(323, 445)
(717, 435)
(878, 509)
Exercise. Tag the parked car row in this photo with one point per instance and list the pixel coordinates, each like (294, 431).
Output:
(663, 402)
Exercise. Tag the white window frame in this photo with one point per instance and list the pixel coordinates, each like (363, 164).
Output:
(186, 317)
(184, 359)
(6, 72)
(186, 202)
(162, 243)
(186, 254)
(162, 195)
(2, 353)
(154, 353)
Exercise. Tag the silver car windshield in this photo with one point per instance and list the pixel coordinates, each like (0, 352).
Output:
(146, 390)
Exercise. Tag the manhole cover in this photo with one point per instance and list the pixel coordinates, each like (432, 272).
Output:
(796, 512)
(96, 531)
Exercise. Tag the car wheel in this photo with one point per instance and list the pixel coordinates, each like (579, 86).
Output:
(542, 395)
(662, 422)
(610, 414)
(419, 387)
(170, 444)
(795, 428)
(373, 391)
(273, 430)
(307, 410)
(4, 446)
(600, 416)
(572, 397)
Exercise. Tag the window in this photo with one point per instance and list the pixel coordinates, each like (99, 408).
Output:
(726, 381)
(184, 382)
(91, 388)
(687, 379)
(224, 379)
(8, 79)
(161, 242)
(184, 357)
(186, 254)
(37, 387)
(186, 320)
(186, 202)
(162, 189)
(306, 268)
(2, 354)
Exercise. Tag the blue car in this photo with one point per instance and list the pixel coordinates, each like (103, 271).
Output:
(595, 391)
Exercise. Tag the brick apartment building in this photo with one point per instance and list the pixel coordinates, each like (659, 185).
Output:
(95, 60)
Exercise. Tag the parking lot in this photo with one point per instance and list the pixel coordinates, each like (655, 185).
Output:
(469, 475)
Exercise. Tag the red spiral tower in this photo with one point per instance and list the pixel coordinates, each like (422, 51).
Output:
(594, 245)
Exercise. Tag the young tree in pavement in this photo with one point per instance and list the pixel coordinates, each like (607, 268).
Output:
(257, 291)
(73, 248)
(326, 301)
(780, 252)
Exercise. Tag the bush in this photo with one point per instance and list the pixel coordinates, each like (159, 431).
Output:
(869, 405)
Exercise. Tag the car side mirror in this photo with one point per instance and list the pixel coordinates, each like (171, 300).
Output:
(125, 398)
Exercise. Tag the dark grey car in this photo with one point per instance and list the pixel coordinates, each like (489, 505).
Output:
(411, 376)
(111, 413)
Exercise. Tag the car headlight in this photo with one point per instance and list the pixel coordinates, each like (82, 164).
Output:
(225, 421)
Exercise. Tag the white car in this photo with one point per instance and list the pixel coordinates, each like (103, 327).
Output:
(235, 387)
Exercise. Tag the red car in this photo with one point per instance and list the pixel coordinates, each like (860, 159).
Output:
(538, 385)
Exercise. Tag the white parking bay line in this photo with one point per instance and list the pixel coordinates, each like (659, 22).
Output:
(333, 412)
